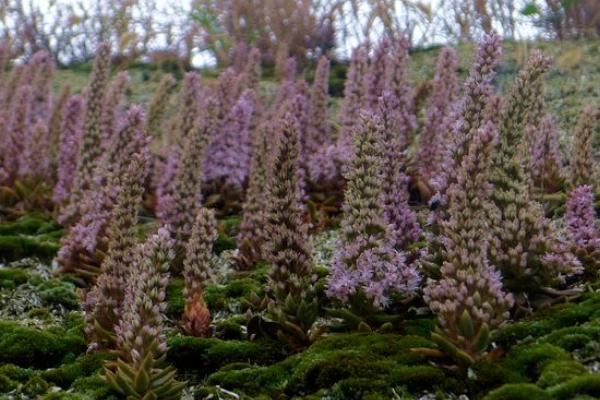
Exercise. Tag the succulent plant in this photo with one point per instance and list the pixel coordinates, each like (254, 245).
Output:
(581, 222)
(253, 234)
(468, 299)
(287, 248)
(547, 164)
(367, 267)
(197, 268)
(104, 302)
(583, 170)
(141, 371)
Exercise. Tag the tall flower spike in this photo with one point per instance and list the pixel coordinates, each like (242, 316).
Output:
(227, 161)
(19, 131)
(287, 248)
(189, 104)
(197, 270)
(317, 130)
(400, 87)
(472, 108)
(468, 298)
(56, 121)
(404, 227)
(354, 95)
(253, 235)
(252, 70)
(378, 76)
(525, 248)
(141, 372)
(546, 156)
(584, 169)
(91, 145)
(158, 107)
(104, 302)
(114, 100)
(366, 264)
(35, 161)
(68, 148)
(581, 221)
(185, 192)
(434, 135)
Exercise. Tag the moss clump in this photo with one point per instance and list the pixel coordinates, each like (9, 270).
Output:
(224, 242)
(17, 247)
(33, 224)
(12, 277)
(518, 391)
(529, 360)
(57, 292)
(359, 363)
(208, 355)
(36, 386)
(231, 329)
(93, 387)
(175, 298)
(15, 373)
(31, 347)
(7, 384)
(67, 373)
(560, 371)
(581, 385)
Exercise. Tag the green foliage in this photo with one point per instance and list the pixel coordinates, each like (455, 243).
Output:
(83, 366)
(17, 247)
(518, 391)
(59, 292)
(189, 353)
(12, 277)
(31, 347)
(560, 371)
(529, 360)
(580, 385)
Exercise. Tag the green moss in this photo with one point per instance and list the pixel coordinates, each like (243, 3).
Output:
(175, 299)
(17, 247)
(230, 328)
(85, 365)
(18, 374)
(529, 360)
(230, 225)
(208, 355)
(29, 225)
(12, 277)
(36, 386)
(94, 387)
(224, 242)
(7, 384)
(58, 292)
(518, 391)
(580, 385)
(560, 371)
(31, 347)
(350, 363)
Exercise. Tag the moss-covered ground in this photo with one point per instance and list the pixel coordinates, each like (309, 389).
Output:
(553, 354)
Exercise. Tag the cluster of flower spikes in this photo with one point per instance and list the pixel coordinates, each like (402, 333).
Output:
(468, 298)
(287, 249)
(104, 302)
(196, 272)
(85, 244)
(113, 107)
(584, 167)
(179, 196)
(253, 235)
(471, 114)
(25, 101)
(158, 107)
(434, 133)
(367, 265)
(141, 371)
(525, 247)
(581, 222)
(547, 164)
